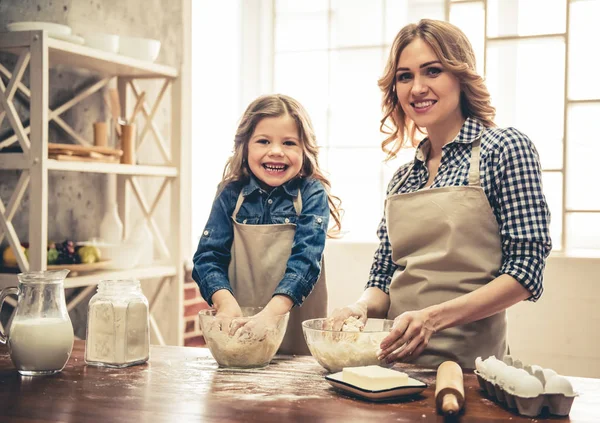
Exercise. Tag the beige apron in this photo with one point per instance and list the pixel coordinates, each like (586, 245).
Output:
(259, 256)
(446, 242)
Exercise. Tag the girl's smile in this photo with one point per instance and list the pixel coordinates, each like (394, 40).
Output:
(275, 151)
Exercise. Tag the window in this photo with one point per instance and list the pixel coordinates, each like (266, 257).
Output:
(215, 100)
(330, 53)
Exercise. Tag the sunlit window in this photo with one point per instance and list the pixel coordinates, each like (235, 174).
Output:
(539, 66)
(329, 54)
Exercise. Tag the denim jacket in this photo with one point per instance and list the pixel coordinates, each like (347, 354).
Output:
(211, 261)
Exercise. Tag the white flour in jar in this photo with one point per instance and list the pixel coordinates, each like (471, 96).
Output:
(117, 334)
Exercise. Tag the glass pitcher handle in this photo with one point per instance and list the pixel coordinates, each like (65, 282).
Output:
(3, 294)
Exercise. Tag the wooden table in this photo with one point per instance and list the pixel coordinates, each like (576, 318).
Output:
(183, 384)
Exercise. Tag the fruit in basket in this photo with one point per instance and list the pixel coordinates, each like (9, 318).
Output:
(52, 256)
(8, 256)
(66, 253)
(88, 254)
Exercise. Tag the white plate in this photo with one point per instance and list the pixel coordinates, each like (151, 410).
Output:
(52, 28)
(413, 387)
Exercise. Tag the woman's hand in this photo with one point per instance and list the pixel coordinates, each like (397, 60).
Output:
(339, 315)
(409, 336)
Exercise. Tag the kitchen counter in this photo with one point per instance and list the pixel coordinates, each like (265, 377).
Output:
(181, 384)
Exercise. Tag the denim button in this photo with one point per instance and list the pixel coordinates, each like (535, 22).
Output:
(270, 201)
(287, 220)
(319, 220)
(205, 233)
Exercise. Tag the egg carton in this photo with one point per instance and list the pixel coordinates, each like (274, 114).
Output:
(558, 404)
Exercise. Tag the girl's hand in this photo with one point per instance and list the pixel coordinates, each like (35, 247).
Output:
(409, 336)
(257, 325)
(338, 317)
(227, 309)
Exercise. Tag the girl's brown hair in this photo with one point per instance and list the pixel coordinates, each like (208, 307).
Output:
(454, 51)
(276, 105)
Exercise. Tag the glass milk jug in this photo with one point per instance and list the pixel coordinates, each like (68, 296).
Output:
(40, 337)
(118, 330)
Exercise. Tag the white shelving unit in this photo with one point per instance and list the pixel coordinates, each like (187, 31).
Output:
(40, 52)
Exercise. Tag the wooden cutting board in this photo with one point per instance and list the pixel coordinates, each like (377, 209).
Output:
(80, 150)
(71, 158)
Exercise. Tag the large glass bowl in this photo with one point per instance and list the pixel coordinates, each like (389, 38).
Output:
(335, 350)
(252, 346)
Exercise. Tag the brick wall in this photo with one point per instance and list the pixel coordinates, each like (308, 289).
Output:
(192, 304)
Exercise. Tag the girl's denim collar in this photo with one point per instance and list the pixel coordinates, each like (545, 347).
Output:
(291, 187)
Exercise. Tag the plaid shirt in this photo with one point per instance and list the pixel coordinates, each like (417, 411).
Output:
(511, 178)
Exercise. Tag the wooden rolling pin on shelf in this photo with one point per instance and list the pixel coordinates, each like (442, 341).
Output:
(449, 388)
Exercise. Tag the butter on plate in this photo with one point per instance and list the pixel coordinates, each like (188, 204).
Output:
(374, 378)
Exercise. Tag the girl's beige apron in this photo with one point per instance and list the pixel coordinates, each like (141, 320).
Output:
(446, 243)
(259, 256)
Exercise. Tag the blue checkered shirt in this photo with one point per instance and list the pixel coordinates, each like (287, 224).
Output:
(511, 178)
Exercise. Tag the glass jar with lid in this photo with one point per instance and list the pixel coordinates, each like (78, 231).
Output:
(118, 330)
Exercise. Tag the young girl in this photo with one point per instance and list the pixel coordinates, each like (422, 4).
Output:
(263, 242)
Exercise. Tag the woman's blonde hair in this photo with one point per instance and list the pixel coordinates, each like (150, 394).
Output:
(454, 51)
(276, 105)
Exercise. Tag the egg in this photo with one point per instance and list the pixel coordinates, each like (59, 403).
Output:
(512, 376)
(558, 384)
(503, 379)
(528, 386)
(494, 367)
(548, 373)
(539, 373)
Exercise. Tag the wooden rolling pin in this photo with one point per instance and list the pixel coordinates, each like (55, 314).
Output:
(449, 389)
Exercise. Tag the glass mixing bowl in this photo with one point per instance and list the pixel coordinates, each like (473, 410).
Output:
(335, 350)
(251, 346)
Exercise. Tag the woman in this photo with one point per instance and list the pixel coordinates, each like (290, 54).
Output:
(465, 232)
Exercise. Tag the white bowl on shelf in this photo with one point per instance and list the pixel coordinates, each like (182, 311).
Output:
(139, 48)
(51, 27)
(120, 256)
(104, 42)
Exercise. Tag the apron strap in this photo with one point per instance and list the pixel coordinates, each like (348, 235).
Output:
(297, 204)
(240, 200)
(473, 168)
(474, 165)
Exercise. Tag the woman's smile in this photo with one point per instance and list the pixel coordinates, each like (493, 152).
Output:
(423, 106)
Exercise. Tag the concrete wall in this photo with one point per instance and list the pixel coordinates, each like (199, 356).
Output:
(76, 201)
(559, 331)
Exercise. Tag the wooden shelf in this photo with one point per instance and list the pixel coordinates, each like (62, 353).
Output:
(115, 168)
(37, 53)
(19, 161)
(75, 55)
(92, 278)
